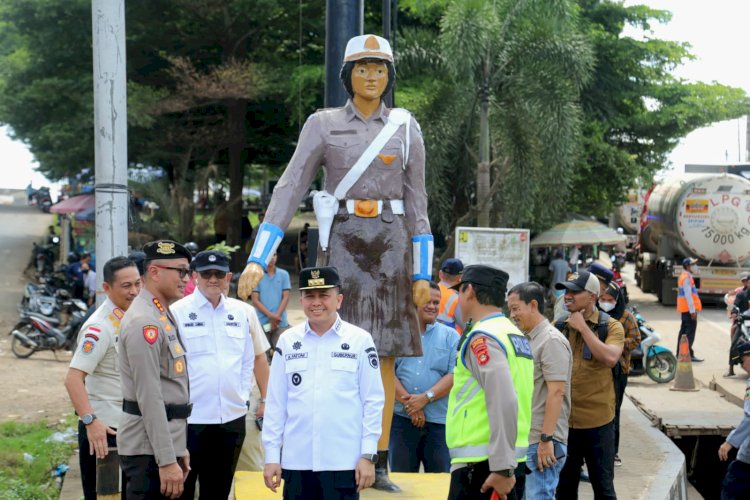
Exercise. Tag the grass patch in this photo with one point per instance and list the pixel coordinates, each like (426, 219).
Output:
(31, 476)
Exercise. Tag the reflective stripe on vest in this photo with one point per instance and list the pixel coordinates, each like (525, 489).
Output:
(467, 422)
(682, 303)
(448, 303)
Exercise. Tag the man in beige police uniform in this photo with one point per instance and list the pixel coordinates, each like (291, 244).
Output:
(93, 379)
(152, 439)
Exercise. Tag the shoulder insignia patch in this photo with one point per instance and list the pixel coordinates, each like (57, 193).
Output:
(521, 346)
(370, 349)
(87, 347)
(479, 348)
(373, 358)
(158, 305)
(91, 336)
(179, 366)
(150, 333)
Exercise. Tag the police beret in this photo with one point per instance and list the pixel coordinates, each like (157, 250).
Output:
(165, 249)
(311, 278)
(484, 275)
(211, 259)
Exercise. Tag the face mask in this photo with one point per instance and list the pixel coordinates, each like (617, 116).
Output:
(606, 306)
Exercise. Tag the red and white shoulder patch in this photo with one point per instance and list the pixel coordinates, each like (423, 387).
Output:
(479, 348)
(150, 333)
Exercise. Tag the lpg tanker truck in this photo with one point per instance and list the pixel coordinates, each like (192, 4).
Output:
(704, 216)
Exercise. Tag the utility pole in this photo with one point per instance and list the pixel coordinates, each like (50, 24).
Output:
(747, 138)
(344, 20)
(110, 133)
(387, 4)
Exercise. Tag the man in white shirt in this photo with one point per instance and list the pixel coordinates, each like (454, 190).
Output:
(221, 359)
(93, 379)
(325, 400)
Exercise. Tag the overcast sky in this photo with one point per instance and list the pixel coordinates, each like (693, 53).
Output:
(714, 29)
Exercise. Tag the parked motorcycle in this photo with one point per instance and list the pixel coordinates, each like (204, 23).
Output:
(35, 332)
(740, 333)
(658, 362)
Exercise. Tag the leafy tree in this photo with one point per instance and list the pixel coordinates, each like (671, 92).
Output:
(635, 110)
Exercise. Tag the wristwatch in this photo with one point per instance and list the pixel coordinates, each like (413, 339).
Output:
(430, 395)
(505, 472)
(372, 457)
(545, 438)
(87, 419)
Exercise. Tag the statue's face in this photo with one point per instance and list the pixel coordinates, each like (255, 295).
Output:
(369, 79)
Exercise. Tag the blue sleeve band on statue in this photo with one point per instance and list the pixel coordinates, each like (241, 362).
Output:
(268, 240)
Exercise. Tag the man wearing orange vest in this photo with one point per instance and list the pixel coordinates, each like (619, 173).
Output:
(688, 304)
(450, 276)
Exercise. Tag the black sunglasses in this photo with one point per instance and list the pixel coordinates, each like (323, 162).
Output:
(207, 275)
(181, 270)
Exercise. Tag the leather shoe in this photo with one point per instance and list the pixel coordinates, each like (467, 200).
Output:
(696, 360)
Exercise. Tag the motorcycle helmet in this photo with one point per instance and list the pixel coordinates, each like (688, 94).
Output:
(192, 247)
(741, 350)
(73, 257)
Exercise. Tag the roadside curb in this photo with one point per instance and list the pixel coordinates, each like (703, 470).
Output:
(672, 476)
(714, 385)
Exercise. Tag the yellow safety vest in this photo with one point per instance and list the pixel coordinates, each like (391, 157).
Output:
(467, 425)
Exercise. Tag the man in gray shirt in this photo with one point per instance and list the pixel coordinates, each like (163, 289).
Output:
(558, 270)
(550, 407)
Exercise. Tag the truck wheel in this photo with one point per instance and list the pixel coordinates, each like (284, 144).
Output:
(661, 367)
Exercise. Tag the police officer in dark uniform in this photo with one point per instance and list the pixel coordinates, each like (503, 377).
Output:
(152, 438)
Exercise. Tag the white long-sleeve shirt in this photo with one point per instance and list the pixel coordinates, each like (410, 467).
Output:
(325, 399)
(220, 357)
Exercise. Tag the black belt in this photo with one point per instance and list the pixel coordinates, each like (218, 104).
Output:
(173, 411)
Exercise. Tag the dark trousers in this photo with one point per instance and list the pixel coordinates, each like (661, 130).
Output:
(736, 484)
(142, 477)
(687, 327)
(323, 485)
(621, 382)
(214, 451)
(466, 483)
(87, 462)
(597, 447)
(411, 446)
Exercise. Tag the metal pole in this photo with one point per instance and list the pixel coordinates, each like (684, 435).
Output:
(110, 133)
(387, 99)
(344, 20)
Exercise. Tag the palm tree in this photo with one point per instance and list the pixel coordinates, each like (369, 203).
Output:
(517, 67)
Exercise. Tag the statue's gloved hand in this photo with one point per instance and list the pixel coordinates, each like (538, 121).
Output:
(420, 290)
(249, 279)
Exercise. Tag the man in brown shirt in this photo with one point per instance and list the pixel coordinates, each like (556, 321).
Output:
(591, 435)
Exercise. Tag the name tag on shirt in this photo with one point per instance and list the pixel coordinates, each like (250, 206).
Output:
(194, 324)
(295, 355)
(347, 355)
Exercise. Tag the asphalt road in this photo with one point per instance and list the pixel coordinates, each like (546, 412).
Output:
(32, 388)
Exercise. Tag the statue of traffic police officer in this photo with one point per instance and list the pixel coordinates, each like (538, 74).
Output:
(372, 214)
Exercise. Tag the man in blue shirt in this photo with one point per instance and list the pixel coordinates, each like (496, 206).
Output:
(270, 299)
(422, 386)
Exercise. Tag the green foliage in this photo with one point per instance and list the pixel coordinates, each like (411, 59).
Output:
(635, 110)
(23, 479)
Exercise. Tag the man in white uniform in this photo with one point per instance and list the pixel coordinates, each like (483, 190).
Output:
(325, 400)
(221, 358)
(93, 379)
